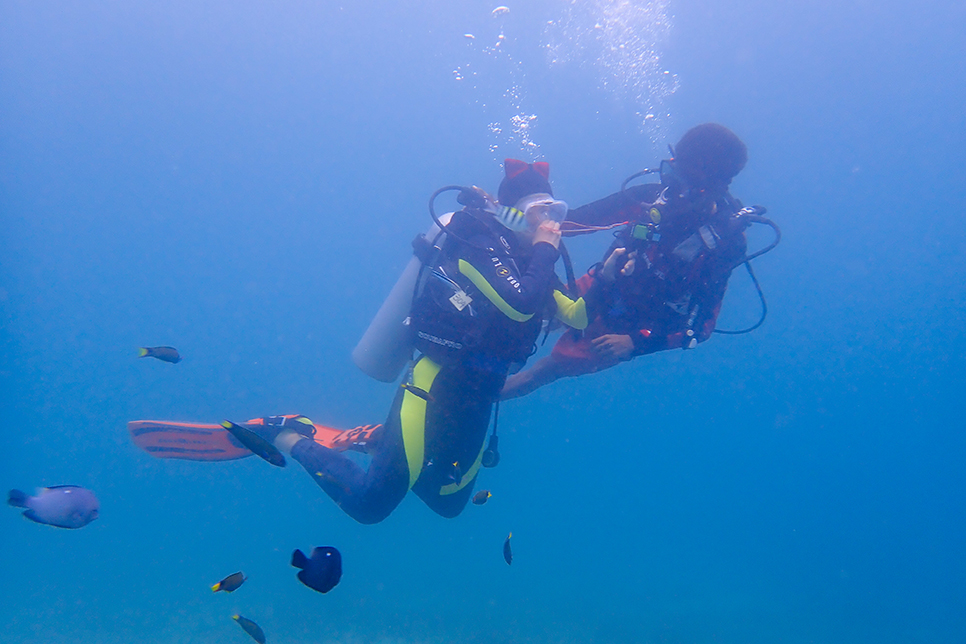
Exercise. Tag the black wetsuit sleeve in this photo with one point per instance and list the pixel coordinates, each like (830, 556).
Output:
(499, 279)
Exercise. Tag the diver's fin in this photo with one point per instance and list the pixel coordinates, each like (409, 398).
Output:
(254, 442)
(143, 353)
(186, 441)
(206, 442)
(299, 560)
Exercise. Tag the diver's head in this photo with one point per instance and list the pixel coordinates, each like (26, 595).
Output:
(705, 161)
(527, 198)
(522, 179)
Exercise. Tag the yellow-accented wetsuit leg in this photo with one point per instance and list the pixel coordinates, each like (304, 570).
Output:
(431, 442)
(455, 424)
(412, 415)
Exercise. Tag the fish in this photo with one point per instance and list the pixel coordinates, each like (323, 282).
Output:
(322, 571)
(165, 354)
(62, 506)
(251, 628)
(231, 583)
(456, 474)
(507, 553)
(258, 445)
(481, 497)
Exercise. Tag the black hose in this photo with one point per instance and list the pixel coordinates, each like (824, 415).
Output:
(491, 455)
(432, 211)
(568, 270)
(764, 306)
(754, 214)
(758, 219)
(626, 181)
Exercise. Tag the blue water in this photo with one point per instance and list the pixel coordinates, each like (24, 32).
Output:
(242, 182)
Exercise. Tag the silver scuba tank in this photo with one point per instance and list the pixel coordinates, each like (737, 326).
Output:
(387, 345)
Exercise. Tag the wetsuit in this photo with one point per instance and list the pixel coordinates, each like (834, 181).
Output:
(479, 309)
(673, 297)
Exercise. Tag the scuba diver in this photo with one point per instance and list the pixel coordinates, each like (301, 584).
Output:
(663, 279)
(486, 285)
(486, 288)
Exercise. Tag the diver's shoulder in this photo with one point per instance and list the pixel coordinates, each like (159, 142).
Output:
(644, 192)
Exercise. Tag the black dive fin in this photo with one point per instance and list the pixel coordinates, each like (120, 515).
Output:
(258, 445)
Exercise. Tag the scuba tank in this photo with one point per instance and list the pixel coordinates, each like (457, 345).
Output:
(387, 345)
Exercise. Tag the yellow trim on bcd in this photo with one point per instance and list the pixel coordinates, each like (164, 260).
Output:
(487, 289)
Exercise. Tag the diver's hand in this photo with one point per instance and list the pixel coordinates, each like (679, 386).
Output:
(608, 272)
(549, 232)
(613, 346)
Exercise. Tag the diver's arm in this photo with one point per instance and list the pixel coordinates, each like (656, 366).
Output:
(709, 300)
(615, 208)
(711, 291)
(519, 297)
(573, 313)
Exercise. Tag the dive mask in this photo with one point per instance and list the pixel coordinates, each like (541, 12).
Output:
(701, 199)
(532, 212)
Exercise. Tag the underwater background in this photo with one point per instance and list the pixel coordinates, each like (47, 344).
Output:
(242, 181)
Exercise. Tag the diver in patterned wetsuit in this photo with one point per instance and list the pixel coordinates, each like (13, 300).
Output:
(479, 310)
(662, 290)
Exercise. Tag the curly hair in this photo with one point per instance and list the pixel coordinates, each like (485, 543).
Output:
(710, 153)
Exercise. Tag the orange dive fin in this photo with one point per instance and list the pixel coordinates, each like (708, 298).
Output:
(212, 442)
(186, 441)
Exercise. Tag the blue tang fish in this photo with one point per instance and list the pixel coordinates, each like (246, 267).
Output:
(323, 571)
(64, 506)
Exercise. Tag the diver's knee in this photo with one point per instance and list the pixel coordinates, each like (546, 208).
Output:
(370, 518)
(448, 511)
(370, 512)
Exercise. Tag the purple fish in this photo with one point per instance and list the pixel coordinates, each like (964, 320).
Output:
(64, 506)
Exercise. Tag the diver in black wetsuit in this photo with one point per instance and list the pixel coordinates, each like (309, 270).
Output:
(479, 309)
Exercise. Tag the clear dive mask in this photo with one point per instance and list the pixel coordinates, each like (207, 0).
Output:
(532, 212)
